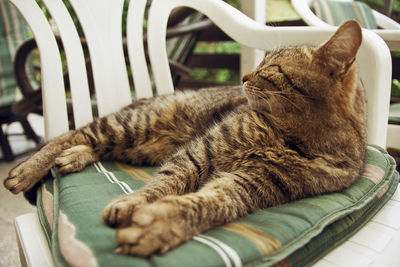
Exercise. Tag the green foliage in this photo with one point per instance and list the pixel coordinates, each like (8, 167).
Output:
(227, 47)
(235, 3)
(215, 75)
(396, 5)
(395, 53)
(44, 9)
(395, 88)
(378, 4)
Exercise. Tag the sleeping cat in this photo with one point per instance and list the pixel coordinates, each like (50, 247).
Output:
(297, 129)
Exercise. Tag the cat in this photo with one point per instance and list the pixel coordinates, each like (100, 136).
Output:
(296, 128)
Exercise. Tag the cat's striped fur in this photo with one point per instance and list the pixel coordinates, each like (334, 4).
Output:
(298, 130)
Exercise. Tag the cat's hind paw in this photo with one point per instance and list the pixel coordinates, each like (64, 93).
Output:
(119, 211)
(152, 231)
(75, 159)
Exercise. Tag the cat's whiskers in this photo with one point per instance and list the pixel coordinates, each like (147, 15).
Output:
(254, 88)
(261, 94)
(268, 103)
(293, 93)
(254, 94)
(280, 94)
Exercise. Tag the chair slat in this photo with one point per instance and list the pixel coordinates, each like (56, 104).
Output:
(76, 62)
(54, 101)
(250, 58)
(101, 21)
(136, 52)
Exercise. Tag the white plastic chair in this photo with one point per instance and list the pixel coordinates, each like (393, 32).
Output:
(101, 22)
(390, 29)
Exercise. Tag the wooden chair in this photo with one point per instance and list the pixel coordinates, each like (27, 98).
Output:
(101, 20)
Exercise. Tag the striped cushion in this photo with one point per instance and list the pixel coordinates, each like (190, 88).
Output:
(335, 12)
(294, 234)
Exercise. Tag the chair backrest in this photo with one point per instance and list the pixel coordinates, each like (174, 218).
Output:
(102, 18)
(101, 21)
(373, 58)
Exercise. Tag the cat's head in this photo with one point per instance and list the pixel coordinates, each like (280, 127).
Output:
(299, 81)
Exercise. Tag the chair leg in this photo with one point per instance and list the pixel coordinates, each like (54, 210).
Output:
(5, 146)
(30, 133)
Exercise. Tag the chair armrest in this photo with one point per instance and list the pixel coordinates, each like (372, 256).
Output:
(32, 242)
(189, 28)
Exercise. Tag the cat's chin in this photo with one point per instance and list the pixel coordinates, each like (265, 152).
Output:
(261, 109)
(257, 104)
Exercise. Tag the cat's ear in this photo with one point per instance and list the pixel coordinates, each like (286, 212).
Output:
(344, 43)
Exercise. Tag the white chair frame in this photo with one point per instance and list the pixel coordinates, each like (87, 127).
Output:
(101, 22)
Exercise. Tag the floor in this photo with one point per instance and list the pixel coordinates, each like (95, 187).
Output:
(375, 245)
(13, 205)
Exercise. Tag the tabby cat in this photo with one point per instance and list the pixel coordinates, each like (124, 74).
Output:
(297, 129)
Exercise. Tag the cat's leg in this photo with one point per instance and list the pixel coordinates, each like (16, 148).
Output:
(76, 158)
(147, 131)
(184, 172)
(107, 137)
(25, 175)
(162, 225)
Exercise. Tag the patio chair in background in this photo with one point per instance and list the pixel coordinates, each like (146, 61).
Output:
(333, 12)
(112, 90)
(13, 32)
(386, 7)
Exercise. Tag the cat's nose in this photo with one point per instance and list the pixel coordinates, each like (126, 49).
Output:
(248, 76)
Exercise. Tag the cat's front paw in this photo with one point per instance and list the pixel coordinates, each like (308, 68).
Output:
(156, 228)
(119, 211)
(75, 158)
(24, 176)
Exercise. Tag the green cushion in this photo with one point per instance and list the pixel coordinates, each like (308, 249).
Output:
(298, 233)
(394, 113)
(335, 12)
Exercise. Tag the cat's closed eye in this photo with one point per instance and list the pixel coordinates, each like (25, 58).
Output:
(281, 79)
